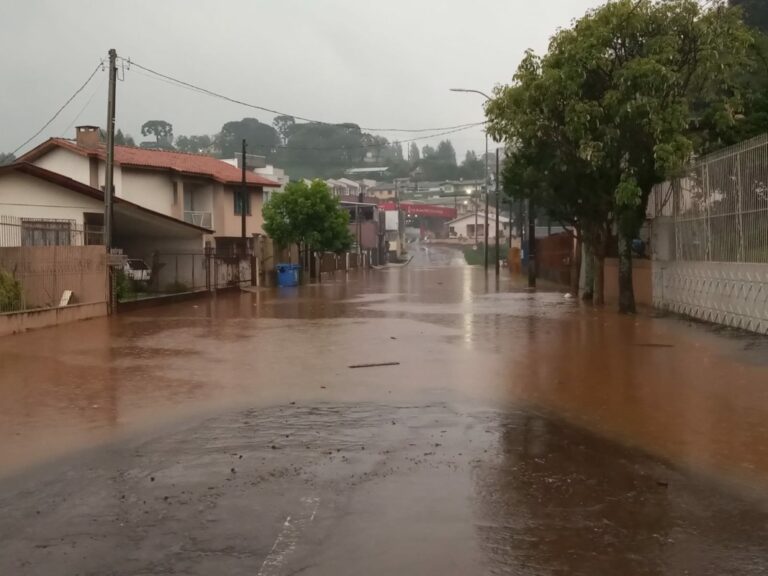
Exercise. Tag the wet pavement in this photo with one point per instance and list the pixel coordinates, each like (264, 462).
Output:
(521, 433)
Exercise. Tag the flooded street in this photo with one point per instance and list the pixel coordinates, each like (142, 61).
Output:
(514, 433)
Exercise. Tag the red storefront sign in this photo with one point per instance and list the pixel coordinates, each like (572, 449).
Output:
(426, 210)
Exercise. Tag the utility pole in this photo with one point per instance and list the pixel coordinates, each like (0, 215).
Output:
(498, 214)
(243, 197)
(109, 188)
(531, 245)
(485, 185)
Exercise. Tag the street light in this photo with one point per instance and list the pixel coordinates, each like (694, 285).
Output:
(485, 181)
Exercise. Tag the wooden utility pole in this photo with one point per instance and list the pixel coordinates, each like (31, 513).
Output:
(498, 215)
(243, 198)
(109, 188)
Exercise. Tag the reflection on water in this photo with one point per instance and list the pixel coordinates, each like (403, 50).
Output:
(553, 499)
(676, 391)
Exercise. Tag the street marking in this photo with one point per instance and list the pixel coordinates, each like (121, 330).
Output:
(288, 538)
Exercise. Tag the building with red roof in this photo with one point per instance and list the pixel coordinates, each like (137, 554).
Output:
(194, 188)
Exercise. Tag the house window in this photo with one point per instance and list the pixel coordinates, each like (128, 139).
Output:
(93, 224)
(42, 232)
(239, 201)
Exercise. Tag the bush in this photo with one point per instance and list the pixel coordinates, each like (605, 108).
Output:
(10, 292)
(125, 288)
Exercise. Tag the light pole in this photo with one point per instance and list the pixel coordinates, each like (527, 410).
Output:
(485, 180)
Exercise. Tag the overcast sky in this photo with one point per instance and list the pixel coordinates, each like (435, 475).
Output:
(386, 63)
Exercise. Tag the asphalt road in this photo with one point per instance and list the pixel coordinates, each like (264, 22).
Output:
(518, 433)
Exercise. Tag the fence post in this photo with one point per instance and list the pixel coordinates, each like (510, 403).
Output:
(708, 249)
(741, 257)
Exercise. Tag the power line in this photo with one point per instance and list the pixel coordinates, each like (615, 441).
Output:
(202, 90)
(61, 109)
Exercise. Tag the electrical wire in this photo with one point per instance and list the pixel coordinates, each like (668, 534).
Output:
(80, 113)
(131, 63)
(61, 109)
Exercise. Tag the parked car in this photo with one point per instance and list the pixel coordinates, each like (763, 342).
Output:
(137, 270)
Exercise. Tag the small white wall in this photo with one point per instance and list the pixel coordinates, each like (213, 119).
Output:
(25, 196)
(153, 190)
(67, 163)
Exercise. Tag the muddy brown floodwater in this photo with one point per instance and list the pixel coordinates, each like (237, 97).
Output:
(512, 433)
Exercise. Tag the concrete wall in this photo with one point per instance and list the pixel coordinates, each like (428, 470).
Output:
(46, 271)
(21, 321)
(642, 281)
(729, 293)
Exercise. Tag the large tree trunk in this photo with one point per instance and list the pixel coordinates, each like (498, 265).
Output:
(599, 275)
(589, 273)
(626, 288)
(576, 266)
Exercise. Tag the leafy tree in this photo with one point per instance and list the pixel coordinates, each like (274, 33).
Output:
(284, 126)
(323, 150)
(6, 158)
(161, 130)
(308, 215)
(626, 83)
(194, 144)
(439, 163)
(124, 139)
(755, 13)
(472, 167)
(262, 139)
(413, 154)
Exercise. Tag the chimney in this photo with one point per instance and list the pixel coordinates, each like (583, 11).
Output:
(88, 136)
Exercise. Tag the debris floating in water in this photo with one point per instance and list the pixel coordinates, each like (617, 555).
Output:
(375, 365)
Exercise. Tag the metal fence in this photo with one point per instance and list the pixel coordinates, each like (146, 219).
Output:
(167, 273)
(718, 210)
(45, 264)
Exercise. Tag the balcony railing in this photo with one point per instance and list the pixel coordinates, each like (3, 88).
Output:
(202, 219)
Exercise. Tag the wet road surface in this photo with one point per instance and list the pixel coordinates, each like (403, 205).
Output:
(520, 434)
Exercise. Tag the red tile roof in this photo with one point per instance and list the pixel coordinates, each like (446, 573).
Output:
(179, 162)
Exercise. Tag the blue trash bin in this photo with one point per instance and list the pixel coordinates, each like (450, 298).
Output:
(287, 275)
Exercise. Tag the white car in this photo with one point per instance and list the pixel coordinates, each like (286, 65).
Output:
(137, 270)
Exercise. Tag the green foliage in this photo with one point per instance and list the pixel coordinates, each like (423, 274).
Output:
(617, 105)
(755, 13)
(124, 139)
(472, 167)
(308, 215)
(6, 158)
(284, 126)
(413, 153)
(439, 163)
(10, 292)
(161, 130)
(125, 288)
(262, 139)
(194, 144)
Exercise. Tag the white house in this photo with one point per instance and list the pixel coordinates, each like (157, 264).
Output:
(39, 207)
(463, 227)
(197, 189)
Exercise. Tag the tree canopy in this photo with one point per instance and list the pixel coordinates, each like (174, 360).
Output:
(161, 130)
(262, 139)
(308, 215)
(196, 144)
(618, 104)
(6, 158)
